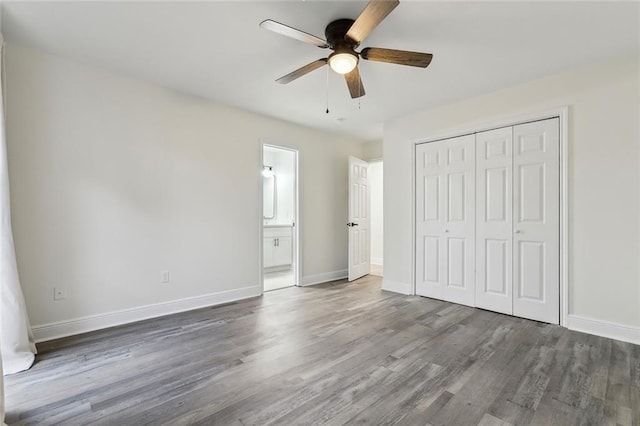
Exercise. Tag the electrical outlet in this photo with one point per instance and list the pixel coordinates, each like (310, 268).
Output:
(164, 276)
(59, 293)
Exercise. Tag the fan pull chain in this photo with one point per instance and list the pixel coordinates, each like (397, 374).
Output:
(327, 90)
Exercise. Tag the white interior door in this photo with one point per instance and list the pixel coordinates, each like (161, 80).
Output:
(445, 219)
(536, 217)
(494, 230)
(358, 222)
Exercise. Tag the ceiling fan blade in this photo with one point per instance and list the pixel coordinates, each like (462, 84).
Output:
(355, 83)
(302, 71)
(370, 17)
(288, 31)
(400, 57)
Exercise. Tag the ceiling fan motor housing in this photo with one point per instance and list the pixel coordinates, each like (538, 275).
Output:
(344, 58)
(335, 34)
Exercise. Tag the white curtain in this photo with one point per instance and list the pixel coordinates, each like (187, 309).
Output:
(1, 394)
(17, 346)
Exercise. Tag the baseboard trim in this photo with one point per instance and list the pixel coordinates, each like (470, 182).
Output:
(396, 286)
(325, 277)
(612, 330)
(376, 261)
(56, 330)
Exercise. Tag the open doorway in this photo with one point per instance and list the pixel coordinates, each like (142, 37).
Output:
(376, 214)
(279, 221)
(365, 218)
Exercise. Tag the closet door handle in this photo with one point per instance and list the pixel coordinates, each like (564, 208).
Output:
(517, 231)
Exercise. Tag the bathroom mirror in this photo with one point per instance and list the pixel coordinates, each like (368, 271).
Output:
(269, 196)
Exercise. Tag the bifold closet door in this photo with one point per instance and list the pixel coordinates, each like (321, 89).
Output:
(536, 221)
(518, 220)
(445, 219)
(494, 227)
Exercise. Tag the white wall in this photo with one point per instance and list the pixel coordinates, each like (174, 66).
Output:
(114, 180)
(377, 212)
(372, 150)
(604, 180)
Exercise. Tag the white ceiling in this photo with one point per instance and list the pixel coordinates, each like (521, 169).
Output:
(217, 51)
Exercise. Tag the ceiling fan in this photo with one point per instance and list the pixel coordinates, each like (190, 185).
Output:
(343, 36)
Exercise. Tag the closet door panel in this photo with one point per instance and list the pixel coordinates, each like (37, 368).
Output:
(430, 219)
(445, 219)
(459, 227)
(536, 216)
(494, 200)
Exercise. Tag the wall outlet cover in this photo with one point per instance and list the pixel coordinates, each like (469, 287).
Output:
(59, 293)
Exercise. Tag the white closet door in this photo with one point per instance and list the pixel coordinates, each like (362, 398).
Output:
(459, 232)
(494, 200)
(445, 219)
(430, 167)
(536, 238)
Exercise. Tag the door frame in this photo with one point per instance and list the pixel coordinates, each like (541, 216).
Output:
(372, 161)
(297, 270)
(562, 113)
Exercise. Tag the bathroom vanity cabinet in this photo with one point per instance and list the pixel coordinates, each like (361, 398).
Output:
(278, 246)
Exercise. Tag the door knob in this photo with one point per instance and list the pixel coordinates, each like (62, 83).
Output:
(517, 231)
(352, 224)
(446, 230)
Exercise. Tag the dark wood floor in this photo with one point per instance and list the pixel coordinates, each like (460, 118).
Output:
(337, 354)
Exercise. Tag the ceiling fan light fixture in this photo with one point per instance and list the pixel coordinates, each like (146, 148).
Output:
(345, 35)
(343, 62)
